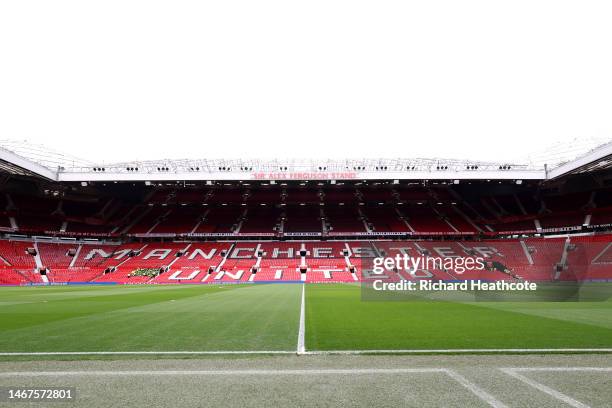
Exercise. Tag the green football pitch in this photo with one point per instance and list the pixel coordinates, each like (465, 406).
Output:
(210, 318)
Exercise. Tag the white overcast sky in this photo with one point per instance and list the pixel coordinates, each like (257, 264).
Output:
(119, 80)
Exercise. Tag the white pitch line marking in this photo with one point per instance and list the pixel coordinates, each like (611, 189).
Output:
(560, 369)
(301, 343)
(226, 372)
(476, 390)
(111, 353)
(513, 372)
(315, 352)
(463, 351)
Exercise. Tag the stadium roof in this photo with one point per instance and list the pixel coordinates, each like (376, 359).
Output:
(25, 159)
(596, 159)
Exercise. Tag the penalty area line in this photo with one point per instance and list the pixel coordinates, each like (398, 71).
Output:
(476, 390)
(544, 388)
(348, 371)
(559, 369)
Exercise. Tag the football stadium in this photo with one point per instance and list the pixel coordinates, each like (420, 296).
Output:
(407, 282)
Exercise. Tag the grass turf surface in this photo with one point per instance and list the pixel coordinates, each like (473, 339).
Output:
(265, 317)
(149, 318)
(337, 319)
